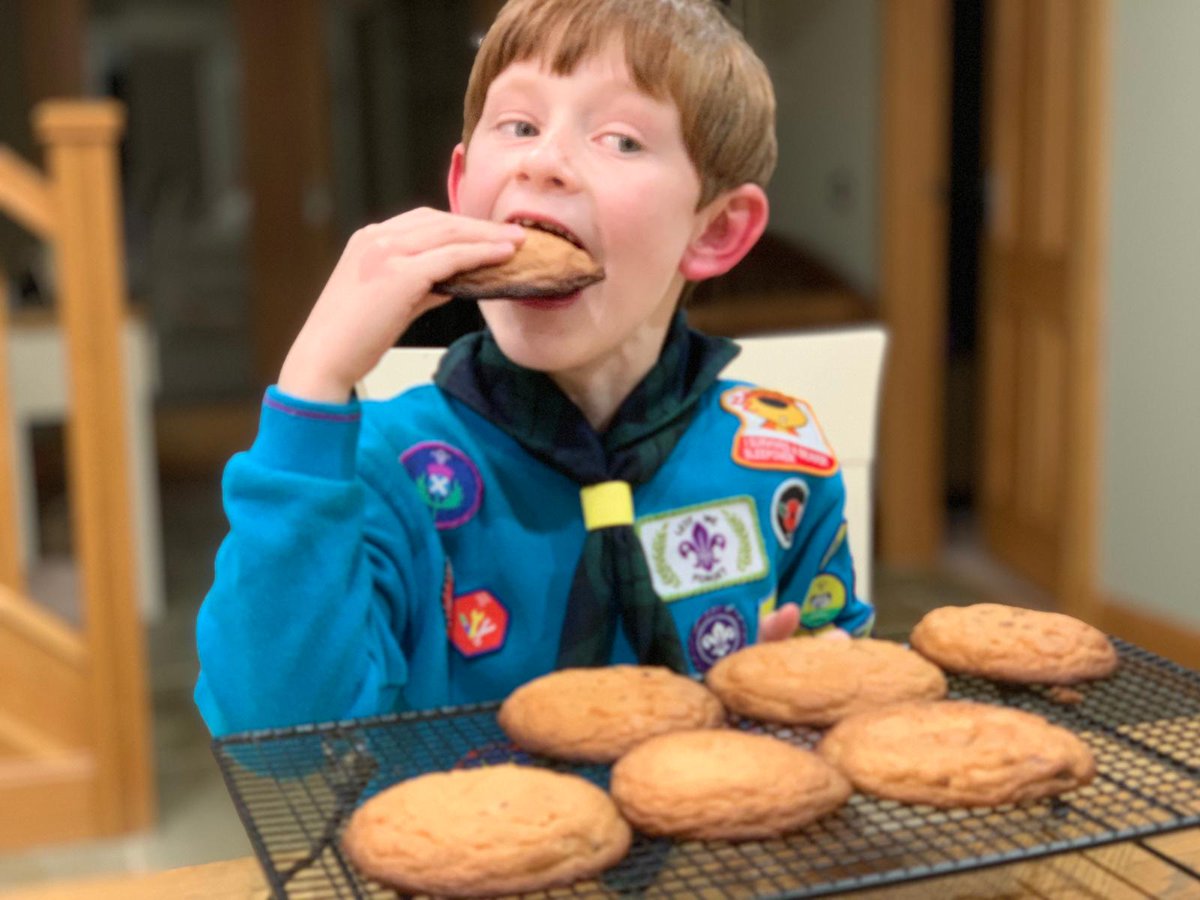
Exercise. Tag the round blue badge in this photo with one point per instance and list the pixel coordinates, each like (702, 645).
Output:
(447, 481)
(717, 633)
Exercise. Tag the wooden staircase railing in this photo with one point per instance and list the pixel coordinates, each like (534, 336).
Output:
(75, 739)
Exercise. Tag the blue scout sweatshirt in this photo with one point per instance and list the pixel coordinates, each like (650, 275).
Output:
(407, 554)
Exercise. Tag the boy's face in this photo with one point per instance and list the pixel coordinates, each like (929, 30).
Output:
(592, 154)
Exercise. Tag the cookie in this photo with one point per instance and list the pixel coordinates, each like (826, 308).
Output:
(481, 832)
(723, 784)
(957, 753)
(817, 681)
(596, 715)
(1013, 644)
(545, 265)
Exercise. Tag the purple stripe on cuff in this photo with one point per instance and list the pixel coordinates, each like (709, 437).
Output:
(310, 413)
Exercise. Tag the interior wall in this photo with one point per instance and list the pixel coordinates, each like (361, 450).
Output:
(823, 56)
(1150, 485)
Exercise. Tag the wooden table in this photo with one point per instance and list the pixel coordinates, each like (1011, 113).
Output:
(1160, 867)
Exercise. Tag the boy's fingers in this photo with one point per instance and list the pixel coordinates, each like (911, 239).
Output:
(432, 229)
(442, 262)
(381, 248)
(780, 624)
(834, 634)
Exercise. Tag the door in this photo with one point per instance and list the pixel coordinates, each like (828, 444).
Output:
(1045, 148)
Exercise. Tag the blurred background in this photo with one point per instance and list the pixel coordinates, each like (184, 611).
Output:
(1008, 185)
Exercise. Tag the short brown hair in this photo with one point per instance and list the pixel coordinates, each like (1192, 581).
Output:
(684, 50)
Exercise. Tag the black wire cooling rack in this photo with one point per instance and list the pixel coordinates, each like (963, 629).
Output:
(295, 788)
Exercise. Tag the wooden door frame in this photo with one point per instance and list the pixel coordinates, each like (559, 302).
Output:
(914, 159)
(1078, 591)
(913, 239)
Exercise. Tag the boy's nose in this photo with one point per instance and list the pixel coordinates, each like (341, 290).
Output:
(546, 166)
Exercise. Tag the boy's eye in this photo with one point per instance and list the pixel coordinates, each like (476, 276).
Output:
(623, 143)
(519, 129)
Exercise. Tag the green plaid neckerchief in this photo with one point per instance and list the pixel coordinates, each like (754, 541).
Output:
(611, 577)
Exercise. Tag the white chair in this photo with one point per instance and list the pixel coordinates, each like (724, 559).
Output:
(837, 372)
(400, 369)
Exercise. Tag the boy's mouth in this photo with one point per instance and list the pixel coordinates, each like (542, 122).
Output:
(549, 227)
(548, 264)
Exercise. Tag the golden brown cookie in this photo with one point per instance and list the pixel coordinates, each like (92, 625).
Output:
(481, 832)
(545, 265)
(957, 753)
(595, 715)
(1013, 644)
(817, 681)
(723, 784)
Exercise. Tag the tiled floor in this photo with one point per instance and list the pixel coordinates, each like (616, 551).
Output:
(197, 822)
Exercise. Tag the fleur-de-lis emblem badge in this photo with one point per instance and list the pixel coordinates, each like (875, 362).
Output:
(704, 545)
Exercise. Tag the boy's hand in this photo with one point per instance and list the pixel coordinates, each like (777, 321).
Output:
(380, 285)
(780, 624)
(783, 622)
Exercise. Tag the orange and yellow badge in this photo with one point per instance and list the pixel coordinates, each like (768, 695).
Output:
(778, 432)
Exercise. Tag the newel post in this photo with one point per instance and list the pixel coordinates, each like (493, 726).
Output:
(80, 140)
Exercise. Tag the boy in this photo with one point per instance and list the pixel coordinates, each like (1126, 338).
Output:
(573, 491)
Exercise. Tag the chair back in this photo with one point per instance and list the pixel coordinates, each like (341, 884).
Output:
(400, 369)
(838, 372)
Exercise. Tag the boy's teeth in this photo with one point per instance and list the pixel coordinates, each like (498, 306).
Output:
(553, 229)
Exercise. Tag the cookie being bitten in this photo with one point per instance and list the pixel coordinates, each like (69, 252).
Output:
(724, 785)
(482, 832)
(596, 715)
(1014, 644)
(545, 265)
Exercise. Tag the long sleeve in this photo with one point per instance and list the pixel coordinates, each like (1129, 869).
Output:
(819, 575)
(315, 583)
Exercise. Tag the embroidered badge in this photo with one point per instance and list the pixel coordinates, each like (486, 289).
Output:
(787, 508)
(766, 606)
(717, 633)
(777, 432)
(447, 480)
(703, 548)
(826, 598)
(478, 625)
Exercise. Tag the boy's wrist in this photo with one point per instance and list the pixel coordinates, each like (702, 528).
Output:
(306, 382)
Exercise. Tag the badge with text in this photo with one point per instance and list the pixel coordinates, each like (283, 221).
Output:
(778, 432)
(478, 624)
(447, 481)
(717, 633)
(703, 548)
(826, 598)
(787, 509)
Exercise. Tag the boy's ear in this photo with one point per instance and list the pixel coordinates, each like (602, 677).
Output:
(729, 227)
(458, 163)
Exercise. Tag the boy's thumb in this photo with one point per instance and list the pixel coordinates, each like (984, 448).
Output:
(780, 624)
